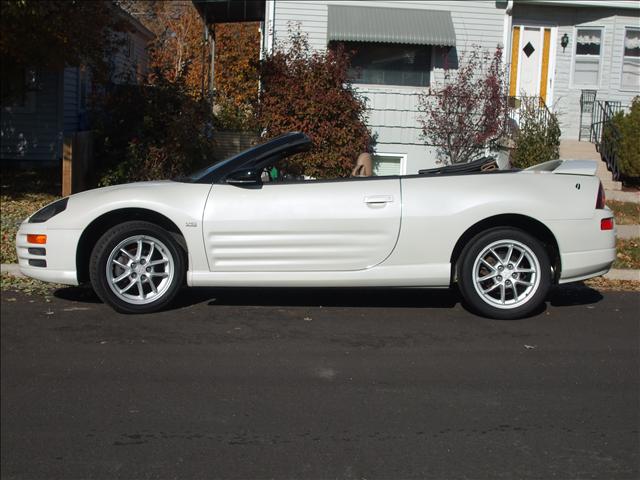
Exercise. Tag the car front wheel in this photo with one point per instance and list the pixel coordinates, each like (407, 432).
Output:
(504, 274)
(137, 267)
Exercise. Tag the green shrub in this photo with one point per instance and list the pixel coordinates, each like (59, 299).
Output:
(150, 132)
(628, 147)
(537, 139)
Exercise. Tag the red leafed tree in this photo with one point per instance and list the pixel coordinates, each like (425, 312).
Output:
(466, 114)
(308, 90)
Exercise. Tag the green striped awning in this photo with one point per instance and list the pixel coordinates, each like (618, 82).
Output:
(350, 23)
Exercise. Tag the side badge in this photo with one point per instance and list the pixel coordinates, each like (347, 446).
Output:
(191, 224)
(577, 186)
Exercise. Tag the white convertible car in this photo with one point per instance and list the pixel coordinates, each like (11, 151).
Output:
(504, 237)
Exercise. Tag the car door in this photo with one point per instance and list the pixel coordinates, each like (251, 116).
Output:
(348, 224)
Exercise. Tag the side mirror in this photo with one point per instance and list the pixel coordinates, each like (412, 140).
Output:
(245, 178)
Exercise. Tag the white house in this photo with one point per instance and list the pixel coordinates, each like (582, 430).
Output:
(576, 46)
(553, 49)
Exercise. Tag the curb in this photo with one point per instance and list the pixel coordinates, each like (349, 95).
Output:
(626, 232)
(613, 274)
(620, 196)
(620, 274)
(12, 269)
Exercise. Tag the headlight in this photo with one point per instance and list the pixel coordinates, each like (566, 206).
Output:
(49, 211)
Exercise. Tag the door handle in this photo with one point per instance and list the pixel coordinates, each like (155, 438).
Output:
(378, 199)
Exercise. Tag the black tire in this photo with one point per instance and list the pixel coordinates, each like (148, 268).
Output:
(509, 291)
(160, 268)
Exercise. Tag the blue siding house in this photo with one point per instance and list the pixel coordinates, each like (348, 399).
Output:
(51, 104)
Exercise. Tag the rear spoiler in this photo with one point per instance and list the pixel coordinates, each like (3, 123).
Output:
(566, 167)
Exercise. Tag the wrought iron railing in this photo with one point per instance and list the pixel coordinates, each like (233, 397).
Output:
(536, 108)
(605, 135)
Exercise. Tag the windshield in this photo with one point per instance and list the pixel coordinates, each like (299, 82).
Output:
(289, 142)
(206, 171)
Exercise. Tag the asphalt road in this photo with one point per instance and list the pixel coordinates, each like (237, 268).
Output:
(359, 384)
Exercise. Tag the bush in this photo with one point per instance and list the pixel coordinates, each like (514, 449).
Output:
(466, 114)
(150, 132)
(310, 91)
(537, 138)
(628, 147)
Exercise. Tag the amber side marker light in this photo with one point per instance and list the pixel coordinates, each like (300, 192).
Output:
(606, 224)
(38, 239)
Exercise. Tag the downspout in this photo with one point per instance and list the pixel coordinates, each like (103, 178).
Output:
(212, 80)
(205, 39)
(271, 29)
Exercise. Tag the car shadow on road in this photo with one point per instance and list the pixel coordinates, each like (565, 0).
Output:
(336, 297)
(559, 296)
(573, 294)
(293, 297)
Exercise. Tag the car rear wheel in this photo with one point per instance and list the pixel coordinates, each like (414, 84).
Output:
(504, 273)
(137, 267)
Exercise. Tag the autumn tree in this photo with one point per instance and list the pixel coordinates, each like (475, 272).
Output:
(237, 74)
(466, 113)
(180, 53)
(310, 91)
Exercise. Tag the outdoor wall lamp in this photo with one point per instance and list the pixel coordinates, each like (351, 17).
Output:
(564, 41)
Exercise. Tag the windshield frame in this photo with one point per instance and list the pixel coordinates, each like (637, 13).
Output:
(216, 173)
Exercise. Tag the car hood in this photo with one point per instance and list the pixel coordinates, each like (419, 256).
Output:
(129, 187)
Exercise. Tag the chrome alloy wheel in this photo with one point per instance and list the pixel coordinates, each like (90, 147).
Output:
(140, 269)
(506, 274)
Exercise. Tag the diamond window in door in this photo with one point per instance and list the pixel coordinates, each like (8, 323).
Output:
(528, 49)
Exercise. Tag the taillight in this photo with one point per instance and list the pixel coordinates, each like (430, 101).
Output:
(601, 198)
(606, 224)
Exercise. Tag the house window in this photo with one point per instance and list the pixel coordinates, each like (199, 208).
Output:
(586, 68)
(631, 59)
(389, 64)
(388, 165)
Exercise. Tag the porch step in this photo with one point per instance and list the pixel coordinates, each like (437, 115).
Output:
(577, 150)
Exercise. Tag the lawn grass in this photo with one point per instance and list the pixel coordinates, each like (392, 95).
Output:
(626, 213)
(22, 192)
(628, 255)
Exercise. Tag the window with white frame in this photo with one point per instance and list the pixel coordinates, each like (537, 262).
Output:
(588, 52)
(386, 165)
(631, 59)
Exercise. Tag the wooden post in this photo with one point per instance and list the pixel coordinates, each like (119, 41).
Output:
(77, 160)
(67, 165)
